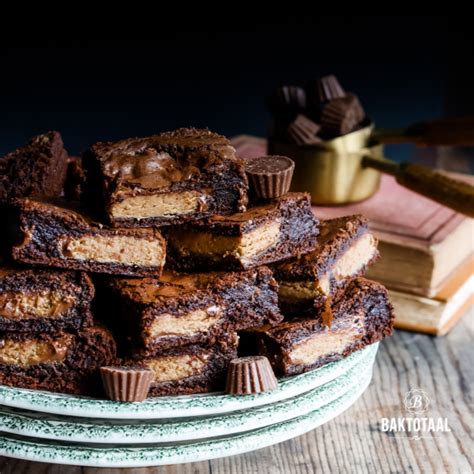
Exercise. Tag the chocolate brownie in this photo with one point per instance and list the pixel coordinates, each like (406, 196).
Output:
(37, 169)
(363, 316)
(60, 235)
(180, 309)
(345, 248)
(283, 228)
(75, 179)
(190, 369)
(44, 300)
(170, 178)
(61, 362)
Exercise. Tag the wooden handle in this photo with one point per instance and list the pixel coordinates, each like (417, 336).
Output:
(440, 188)
(451, 131)
(452, 193)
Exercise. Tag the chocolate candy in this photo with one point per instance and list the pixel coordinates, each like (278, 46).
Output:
(126, 384)
(324, 89)
(286, 102)
(341, 116)
(248, 375)
(303, 131)
(270, 176)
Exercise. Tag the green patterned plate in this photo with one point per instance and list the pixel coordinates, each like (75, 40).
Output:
(42, 425)
(178, 406)
(154, 455)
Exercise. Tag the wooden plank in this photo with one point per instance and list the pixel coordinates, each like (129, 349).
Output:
(442, 367)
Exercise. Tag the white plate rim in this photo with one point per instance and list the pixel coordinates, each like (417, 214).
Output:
(177, 406)
(40, 425)
(140, 456)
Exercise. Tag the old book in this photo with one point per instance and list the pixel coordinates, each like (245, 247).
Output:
(439, 314)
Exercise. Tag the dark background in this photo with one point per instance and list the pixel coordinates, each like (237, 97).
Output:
(403, 68)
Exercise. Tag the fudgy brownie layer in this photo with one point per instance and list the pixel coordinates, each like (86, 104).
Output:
(264, 234)
(171, 178)
(190, 369)
(345, 249)
(363, 316)
(180, 309)
(59, 234)
(36, 169)
(75, 179)
(71, 361)
(44, 300)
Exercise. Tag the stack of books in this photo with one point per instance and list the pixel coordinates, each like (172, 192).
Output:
(427, 251)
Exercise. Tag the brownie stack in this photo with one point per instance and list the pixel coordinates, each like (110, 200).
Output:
(186, 272)
(48, 338)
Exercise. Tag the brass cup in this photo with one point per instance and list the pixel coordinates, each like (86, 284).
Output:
(332, 171)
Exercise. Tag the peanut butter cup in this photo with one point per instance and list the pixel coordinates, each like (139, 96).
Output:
(248, 375)
(342, 116)
(126, 384)
(270, 176)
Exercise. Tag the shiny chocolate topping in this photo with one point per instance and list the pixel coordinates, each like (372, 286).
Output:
(161, 160)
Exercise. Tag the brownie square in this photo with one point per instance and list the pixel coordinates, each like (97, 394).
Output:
(60, 362)
(189, 369)
(58, 234)
(363, 316)
(170, 178)
(180, 309)
(44, 300)
(345, 248)
(267, 233)
(37, 169)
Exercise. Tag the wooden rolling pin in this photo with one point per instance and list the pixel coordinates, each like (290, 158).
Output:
(451, 131)
(457, 195)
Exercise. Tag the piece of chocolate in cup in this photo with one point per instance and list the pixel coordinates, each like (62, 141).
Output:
(303, 131)
(270, 176)
(341, 116)
(126, 384)
(286, 102)
(324, 89)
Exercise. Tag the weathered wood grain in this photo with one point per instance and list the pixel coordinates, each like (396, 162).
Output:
(353, 442)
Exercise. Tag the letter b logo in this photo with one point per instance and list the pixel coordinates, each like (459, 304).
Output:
(416, 401)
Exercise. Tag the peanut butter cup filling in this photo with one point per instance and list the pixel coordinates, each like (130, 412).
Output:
(160, 205)
(114, 249)
(44, 304)
(190, 324)
(177, 367)
(33, 351)
(213, 246)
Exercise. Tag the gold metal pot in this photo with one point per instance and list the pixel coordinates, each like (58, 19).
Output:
(332, 171)
(347, 168)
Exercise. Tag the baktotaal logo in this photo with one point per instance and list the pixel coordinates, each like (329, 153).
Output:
(416, 401)
(415, 426)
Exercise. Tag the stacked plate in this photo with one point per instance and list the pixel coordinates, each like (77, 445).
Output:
(55, 428)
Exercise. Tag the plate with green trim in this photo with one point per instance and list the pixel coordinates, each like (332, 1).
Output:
(90, 430)
(96, 455)
(185, 406)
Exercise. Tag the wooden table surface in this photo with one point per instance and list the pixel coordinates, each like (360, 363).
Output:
(442, 367)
